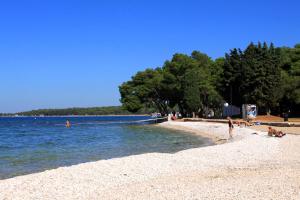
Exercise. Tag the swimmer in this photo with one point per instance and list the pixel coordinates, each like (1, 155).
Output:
(68, 124)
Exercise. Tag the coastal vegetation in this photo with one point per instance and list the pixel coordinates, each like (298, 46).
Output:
(108, 110)
(262, 74)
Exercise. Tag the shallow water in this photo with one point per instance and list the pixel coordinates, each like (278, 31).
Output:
(29, 144)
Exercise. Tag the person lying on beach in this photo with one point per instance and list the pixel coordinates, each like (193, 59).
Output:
(240, 122)
(273, 132)
(280, 134)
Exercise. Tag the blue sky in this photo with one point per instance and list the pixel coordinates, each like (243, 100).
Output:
(56, 54)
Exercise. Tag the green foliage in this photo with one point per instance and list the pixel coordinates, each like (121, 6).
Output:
(255, 75)
(231, 78)
(290, 78)
(191, 87)
(185, 82)
(143, 91)
(261, 74)
(173, 78)
(110, 110)
(5, 114)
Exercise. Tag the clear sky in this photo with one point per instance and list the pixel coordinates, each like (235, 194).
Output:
(56, 54)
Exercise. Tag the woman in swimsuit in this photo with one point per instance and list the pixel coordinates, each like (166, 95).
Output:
(273, 132)
(230, 124)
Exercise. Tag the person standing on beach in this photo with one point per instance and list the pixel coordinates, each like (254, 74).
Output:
(230, 124)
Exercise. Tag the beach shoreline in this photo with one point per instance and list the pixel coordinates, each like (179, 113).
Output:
(203, 131)
(251, 166)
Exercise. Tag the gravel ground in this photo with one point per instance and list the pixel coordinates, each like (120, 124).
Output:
(251, 166)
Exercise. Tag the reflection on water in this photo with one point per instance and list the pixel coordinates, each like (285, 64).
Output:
(35, 144)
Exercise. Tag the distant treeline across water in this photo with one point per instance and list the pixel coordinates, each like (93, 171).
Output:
(108, 110)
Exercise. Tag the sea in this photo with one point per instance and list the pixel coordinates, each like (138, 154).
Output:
(35, 144)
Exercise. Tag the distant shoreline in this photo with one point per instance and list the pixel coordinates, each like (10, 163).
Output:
(81, 111)
(76, 115)
(203, 131)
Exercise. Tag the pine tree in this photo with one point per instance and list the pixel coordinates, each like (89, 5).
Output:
(232, 77)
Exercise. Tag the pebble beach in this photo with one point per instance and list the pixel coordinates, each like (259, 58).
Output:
(249, 166)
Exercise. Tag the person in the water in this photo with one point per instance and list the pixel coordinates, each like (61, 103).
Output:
(68, 124)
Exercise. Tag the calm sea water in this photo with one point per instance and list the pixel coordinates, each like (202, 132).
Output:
(29, 144)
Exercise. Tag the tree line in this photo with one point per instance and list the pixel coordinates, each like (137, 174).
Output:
(107, 110)
(261, 74)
